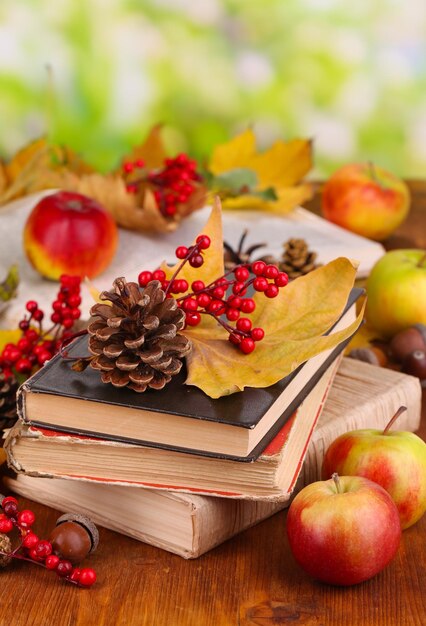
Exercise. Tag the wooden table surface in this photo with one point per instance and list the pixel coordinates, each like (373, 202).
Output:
(252, 580)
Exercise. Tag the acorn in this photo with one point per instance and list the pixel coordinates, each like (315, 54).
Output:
(372, 355)
(415, 364)
(74, 537)
(407, 341)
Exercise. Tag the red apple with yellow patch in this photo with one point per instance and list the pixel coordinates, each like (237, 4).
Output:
(396, 460)
(68, 233)
(366, 199)
(344, 530)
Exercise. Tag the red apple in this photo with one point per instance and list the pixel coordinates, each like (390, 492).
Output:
(396, 291)
(344, 530)
(396, 460)
(68, 233)
(366, 199)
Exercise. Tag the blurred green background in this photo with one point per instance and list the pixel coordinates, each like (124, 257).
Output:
(97, 74)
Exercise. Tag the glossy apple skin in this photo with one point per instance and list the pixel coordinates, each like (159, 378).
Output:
(366, 199)
(395, 460)
(396, 291)
(343, 538)
(68, 233)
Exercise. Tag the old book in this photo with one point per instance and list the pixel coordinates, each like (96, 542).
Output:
(189, 525)
(179, 417)
(272, 476)
(358, 392)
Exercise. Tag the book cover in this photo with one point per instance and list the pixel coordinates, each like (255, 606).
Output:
(179, 417)
(362, 396)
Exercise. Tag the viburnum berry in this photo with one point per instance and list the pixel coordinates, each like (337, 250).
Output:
(271, 271)
(197, 285)
(196, 260)
(181, 252)
(247, 345)
(203, 300)
(31, 306)
(87, 577)
(64, 568)
(193, 318)
(6, 524)
(248, 305)
(232, 314)
(241, 273)
(281, 279)
(158, 275)
(38, 315)
(258, 267)
(190, 304)
(26, 518)
(235, 338)
(257, 334)
(43, 548)
(30, 540)
(52, 561)
(244, 324)
(144, 278)
(203, 242)
(260, 283)
(271, 291)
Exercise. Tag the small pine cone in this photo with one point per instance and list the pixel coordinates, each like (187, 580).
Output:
(135, 341)
(5, 548)
(297, 260)
(8, 388)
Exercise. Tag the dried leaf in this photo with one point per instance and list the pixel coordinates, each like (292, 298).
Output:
(28, 155)
(213, 266)
(9, 336)
(152, 150)
(294, 324)
(277, 172)
(9, 286)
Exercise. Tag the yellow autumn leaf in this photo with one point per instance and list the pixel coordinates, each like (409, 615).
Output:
(295, 324)
(287, 199)
(238, 152)
(9, 336)
(213, 266)
(284, 164)
(28, 155)
(278, 172)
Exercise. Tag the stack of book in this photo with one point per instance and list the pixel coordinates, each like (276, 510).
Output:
(187, 472)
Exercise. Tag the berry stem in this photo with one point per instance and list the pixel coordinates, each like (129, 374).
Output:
(393, 420)
(195, 250)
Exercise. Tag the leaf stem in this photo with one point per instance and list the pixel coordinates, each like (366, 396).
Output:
(422, 262)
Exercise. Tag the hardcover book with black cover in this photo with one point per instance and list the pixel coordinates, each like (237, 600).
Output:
(179, 417)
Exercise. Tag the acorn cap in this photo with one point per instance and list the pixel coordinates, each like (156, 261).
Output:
(84, 521)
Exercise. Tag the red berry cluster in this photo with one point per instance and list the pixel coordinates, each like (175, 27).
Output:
(36, 346)
(225, 298)
(173, 185)
(36, 550)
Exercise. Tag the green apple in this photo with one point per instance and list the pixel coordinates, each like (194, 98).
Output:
(396, 291)
(396, 460)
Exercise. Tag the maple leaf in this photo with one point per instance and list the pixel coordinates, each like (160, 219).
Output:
(152, 151)
(269, 180)
(295, 324)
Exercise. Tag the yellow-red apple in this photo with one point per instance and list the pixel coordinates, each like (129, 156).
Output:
(396, 291)
(344, 530)
(68, 233)
(366, 199)
(396, 460)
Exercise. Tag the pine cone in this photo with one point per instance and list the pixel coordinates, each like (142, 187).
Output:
(8, 388)
(5, 547)
(135, 341)
(297, 260)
